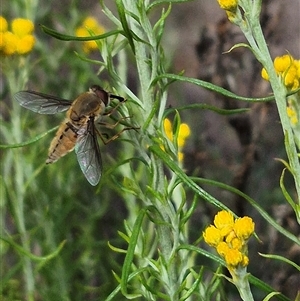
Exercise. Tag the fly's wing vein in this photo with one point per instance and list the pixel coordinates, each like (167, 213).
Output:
(88, 154)
(41, 103)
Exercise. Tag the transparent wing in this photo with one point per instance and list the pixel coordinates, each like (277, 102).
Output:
(41, 103)
(88, 154)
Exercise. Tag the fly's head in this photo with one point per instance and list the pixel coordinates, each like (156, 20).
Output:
(101, 94)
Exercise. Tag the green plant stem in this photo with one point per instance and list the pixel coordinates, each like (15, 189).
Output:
(142, 58)
(167, 232)
(240, 280)
(17, 183)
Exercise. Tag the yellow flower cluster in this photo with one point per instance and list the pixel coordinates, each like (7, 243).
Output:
(288, 68)
(89, 25)
(230, 237)
(19, 40)
(183, 133)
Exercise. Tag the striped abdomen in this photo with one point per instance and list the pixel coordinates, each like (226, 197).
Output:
(63, 142)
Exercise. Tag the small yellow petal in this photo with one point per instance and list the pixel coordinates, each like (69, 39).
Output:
(3, 24)
(168, 129)
(264, 74)
(184, 131)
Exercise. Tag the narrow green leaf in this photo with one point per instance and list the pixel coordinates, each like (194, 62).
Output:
(130, 252)
(193, 288)
(160, 2)
(270, 295)
(206, 107)
(115, 249)
(21, 250)
(65, 37)
(35, 139)
(285, 192)
(85, 59)
(281, 258)
(127, 31)
(211, 87)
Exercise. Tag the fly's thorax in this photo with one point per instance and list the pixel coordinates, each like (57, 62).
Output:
(87, 105)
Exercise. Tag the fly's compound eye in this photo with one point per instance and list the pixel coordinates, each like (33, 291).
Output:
(96, 88)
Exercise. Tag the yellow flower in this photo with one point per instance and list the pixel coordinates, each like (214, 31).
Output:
(229, 5)
(89, 24)
(9, 43)
(245, 260)
(3, 24)
(291, 79)
(212, 236)
(233, 257)
(244, 227)
(288, 69)
(222, 248)
(22, 27)
(168, 129)
(264, 74)
(223, 219)
(183, 133)
(25, 44)
(228, 234)
(282, 63)
(236, 243)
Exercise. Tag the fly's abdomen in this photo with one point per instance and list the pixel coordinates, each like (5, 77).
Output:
(63, 142)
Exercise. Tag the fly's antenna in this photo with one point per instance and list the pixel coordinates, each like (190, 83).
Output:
(120, 98)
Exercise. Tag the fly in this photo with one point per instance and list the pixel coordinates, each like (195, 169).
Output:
(78, 129)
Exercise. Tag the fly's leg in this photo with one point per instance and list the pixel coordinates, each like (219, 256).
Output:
(112, 126)
(110, 112)
(116, 135)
